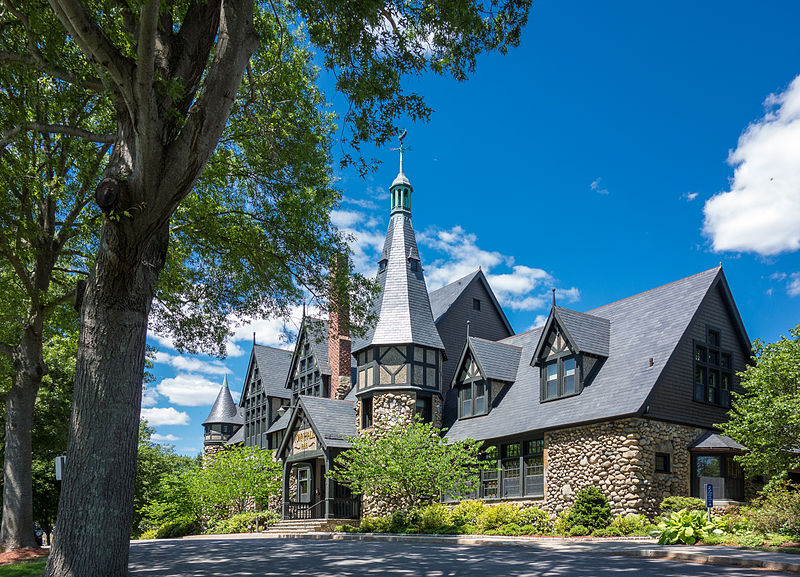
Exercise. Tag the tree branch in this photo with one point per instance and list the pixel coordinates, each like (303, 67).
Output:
(145, 66)
(82, 27)
(37, 61)
(236, 41)
(55, 129)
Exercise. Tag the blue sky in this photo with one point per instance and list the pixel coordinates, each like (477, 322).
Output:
(622, 146)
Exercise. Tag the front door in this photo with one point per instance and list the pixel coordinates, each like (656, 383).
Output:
(304, 484)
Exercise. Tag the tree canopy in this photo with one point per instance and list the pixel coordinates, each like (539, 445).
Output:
(765, 417)
(172, 75)
(409, 465)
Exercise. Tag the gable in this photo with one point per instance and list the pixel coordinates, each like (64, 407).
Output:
(308, 372)
(673, 396)
(487, 323)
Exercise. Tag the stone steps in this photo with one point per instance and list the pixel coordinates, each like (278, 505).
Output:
(301, 526)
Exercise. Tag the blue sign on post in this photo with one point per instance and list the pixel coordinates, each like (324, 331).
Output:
(709, 495)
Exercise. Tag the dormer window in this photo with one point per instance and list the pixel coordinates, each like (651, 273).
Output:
(382, 266)
(413, 264)
(559, 378)
(473, 390)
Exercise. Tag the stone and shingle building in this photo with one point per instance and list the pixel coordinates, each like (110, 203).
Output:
(624, 397)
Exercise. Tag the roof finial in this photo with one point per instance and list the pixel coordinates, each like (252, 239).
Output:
(401, 148)
(554, 296)
(467, 329)
(254, 338)
(225, 381)
(304, 309)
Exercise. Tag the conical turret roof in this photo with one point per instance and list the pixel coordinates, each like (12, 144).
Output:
(224, 410)
(403, 309)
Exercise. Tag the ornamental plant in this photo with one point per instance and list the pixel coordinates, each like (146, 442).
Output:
(685, 526)
(591, 509)
(409, 465)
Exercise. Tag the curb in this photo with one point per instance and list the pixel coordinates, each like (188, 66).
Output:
(669, 554)
(744, 562)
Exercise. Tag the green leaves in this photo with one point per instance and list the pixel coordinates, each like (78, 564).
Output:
(765, 418)
(685, 526)
(409, 464)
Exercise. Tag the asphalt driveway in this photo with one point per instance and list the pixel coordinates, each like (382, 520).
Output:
(234, 557)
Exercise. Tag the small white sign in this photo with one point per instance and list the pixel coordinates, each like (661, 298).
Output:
(60, 462)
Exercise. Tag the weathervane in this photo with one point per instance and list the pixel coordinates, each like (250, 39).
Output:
(402, 148)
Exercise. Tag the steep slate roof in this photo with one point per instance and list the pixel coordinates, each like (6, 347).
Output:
(646, 325)
(497, 360)
(281, 423)
(273, 364)
(334, 420)
(318, 337)
(224, 410)
(591, 334)
(443, 298)
(716, 442)
(402, 308)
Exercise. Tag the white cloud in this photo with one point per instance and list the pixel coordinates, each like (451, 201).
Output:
(160, 437)
(461, 255)
(793, 287)
(689, 196)
(192, 364)
(539, 322)
(150, 397)
(165, 416)
(761, 211)
(190, 450)
(595, 186)
(189, 390)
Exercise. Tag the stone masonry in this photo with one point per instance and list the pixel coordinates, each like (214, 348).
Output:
(618, 457)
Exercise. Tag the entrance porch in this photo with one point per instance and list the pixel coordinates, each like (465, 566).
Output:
(309, 494)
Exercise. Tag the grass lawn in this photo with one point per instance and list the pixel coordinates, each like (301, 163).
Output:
(787, 550)
(25, 569)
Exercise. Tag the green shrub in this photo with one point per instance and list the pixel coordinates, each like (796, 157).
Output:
(468, 529)
(246, 522)
(435, 518)
(750, 540)
(607, 532)
(539, 519)
(495, 516)
(467, 512)
(402, 521)
(777, 510)
(374, 525)
(673, 504)
(346, 528)
(685, 526)
(579, 531)
(590, 509)
(178, 528)
(149, 534)
(631, 524)
(562, 523)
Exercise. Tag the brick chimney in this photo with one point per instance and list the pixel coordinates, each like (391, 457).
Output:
(339, 330)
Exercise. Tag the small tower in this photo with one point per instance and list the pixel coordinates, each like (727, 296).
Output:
(222, 422)
(399, 360)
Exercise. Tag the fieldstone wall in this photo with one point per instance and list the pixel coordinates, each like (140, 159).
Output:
(619, 458)
(211, 451)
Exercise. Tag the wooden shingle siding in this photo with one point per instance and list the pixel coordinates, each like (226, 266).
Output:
(486, 323)
(673, 396)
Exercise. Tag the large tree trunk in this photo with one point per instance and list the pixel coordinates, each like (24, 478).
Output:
(17, 525)
(98, 484)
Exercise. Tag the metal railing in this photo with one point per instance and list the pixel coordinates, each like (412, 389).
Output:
(341, 508)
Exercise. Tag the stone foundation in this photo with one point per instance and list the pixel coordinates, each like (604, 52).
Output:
(618, 457)
(211, 451)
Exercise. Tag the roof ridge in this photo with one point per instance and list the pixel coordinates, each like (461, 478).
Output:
(496, 342)
(472, 274)
(716, 268)
(271, 347)
(589, 314)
